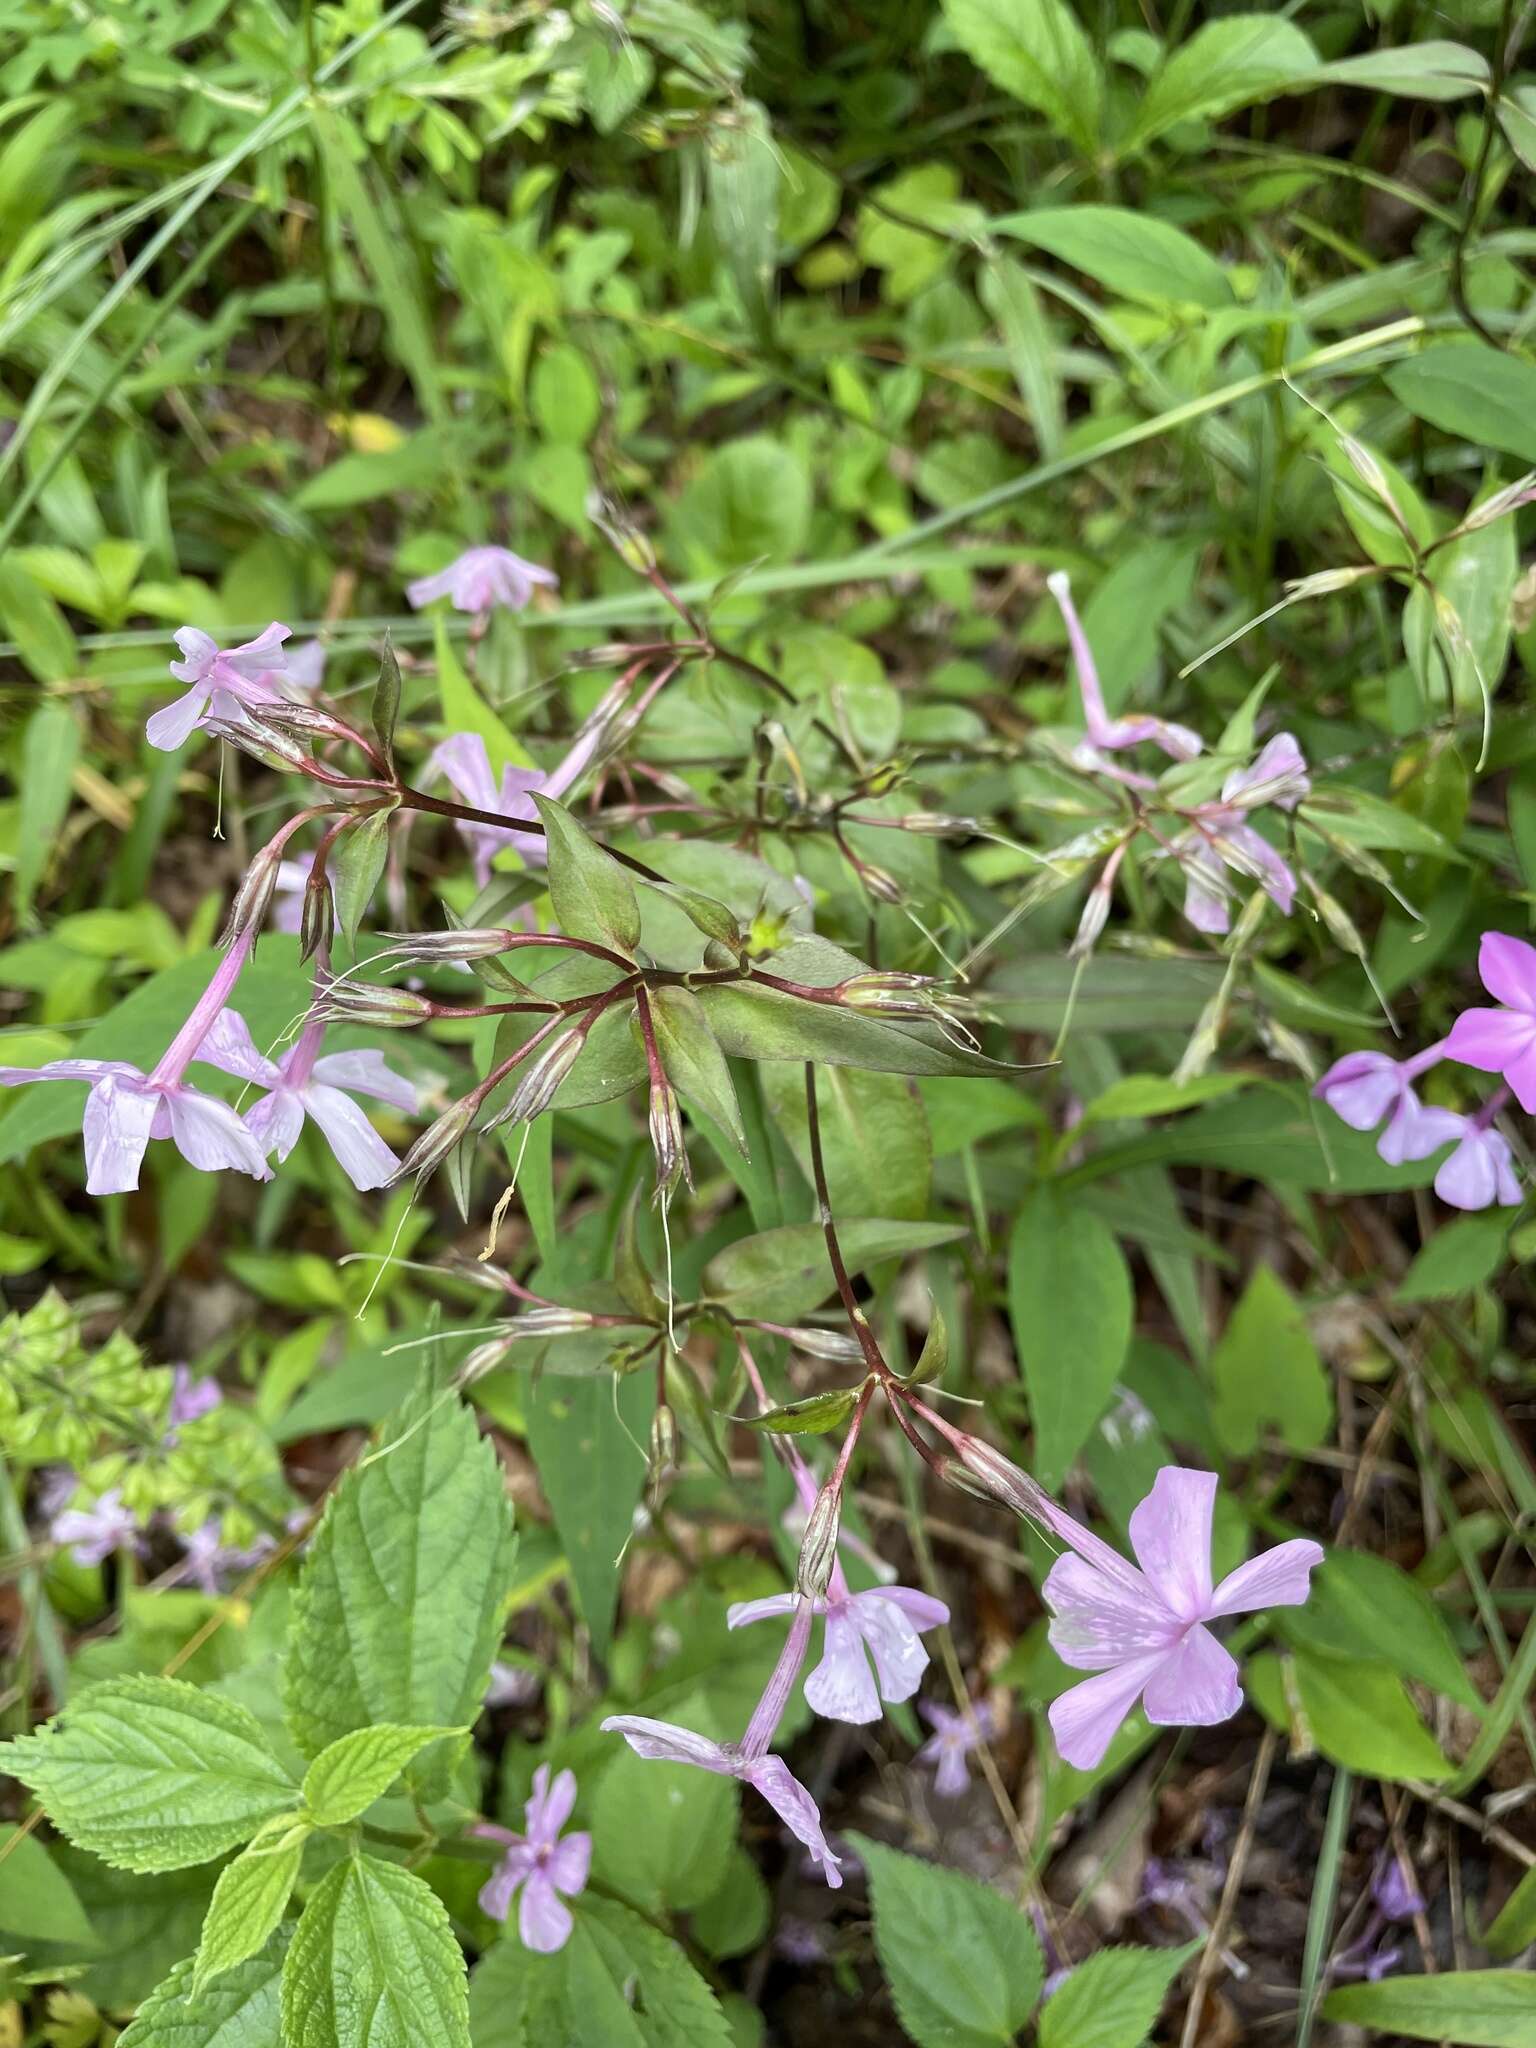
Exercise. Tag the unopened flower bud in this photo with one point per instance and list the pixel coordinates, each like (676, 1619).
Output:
(666, 1127)
(1510, 499)
(616, 525)
(317, 918)
(836, 1345)
(272, 749)
(887, 995)
(290, 720)
(881, 885)
(939, 824)
(1326, 581)
(662, 1461)
(540, 1080)
(438, 1139)
(366, 1002)
(1286, 1045)
(1093, 920)
(818, 1547)
(998, 1478)
(253, 897)
(475, 943)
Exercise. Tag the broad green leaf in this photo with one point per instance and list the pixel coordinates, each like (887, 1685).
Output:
(32, 619)
(1482, 395)
(1037, 51)
(1140, 1095)
(962, 1962)
(1459, 1258)
(781, 1275)
(1474, 2008)
(1070, 1301)
(1113, 1999)
(398, 1607)
(1265, 1371)
(662, 1833)
(153, 1774)
(694, 1062)
(750, 501)
(1362, 819)
(419, 463)
(350, 1773)
(248, 1901)
(584, 1435)
(238, 2010)
(356, 864)
(37, 1901)
(874, 1134)
(50, 747)
(1227, 64)
(1365, 1606)
(1355, 1713)
(758, 1023)
(592, 896)
(1421, 71)
(145, 1924)
(1134, 254)
(374, 1962)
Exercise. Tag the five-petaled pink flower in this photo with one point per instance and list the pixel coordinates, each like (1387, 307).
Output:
(954, 1736)
(126, 1107)
(1144, 1632)
(885, 1624)
(1502, 1041)
(1480, 1171)
(747, 1760)
(304, 1083)
(223, 681)
(542, 1863)
(1364, 1087)
(463, 759)
(1219, 836)
(481, 578)
(92, 1534)
(1106, 735)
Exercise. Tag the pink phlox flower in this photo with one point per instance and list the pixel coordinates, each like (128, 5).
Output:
(190, 1398)
(305, 665)
(1363, 1087)
(207, 1560)
(1219, 837)
(1143, 1632)
(884, 1624)
(1278, 776)
(1502, 1041)
(954, 1736)
(1479, 1173)
(747, 1760)
(92, 1534)
(126, 1108)
(304, 1084)
(463, 761)
(482, 578)
(286, 913)
(545, 1863)
(1106, 735)
(223, 682)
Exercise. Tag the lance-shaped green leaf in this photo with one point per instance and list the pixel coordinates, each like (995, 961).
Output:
(707, 914)
(780, 1275)
(238, 2010)
(1070, 1301)
(695, 1064)
(742, 172)
(758, 1023)
(812, 1416)
(350, 1773)
(249, 1899)
(386, 702)
(374, 1961)
(355, 866)
(1474, 2008)
(153, 1774)
(631, 1275)
(593, 898)
(397, 1612)
(934, 1356)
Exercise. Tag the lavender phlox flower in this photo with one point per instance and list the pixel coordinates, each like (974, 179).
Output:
(1219, 837)
(884, 1624)
(191, 1398)
(1393, 1890)
(208, 1561)
(747, 1760)
(92, 1534)
(1364, 1087)
(305, 665)
(462, 759)
(1185, 1890)
(126, 1107)
(482, 578)
(1502, 1041)
(1106, 735)
(1479, 1172)
(223, 681)
(306, 1083)
(954, 1736)
(550, 1867)
(1143, 1632)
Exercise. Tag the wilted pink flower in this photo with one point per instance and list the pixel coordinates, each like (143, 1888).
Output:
(481, 578)
(1219, 836)
(304, 1084)
(543, 1864)
(126, 1108)
(885, 1624)
(1144, 1632)
(1106, 735)
(1502, 1041)
(1278, 776)
(747, 1760)
(954, 1736)
(92, 1534)
(223, 681)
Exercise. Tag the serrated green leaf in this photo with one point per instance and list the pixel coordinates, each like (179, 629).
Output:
(1036, 50)
(397, 1612)
(350, 1773)
(1113, 1999)
(153, 1774)
(247, 1903)
(592, 896)
(781, 1275)
(1227, 64)
(1474, 2008)
(1265, 1371)
(238, 2010)
(374, 1961)
(1070, 1301)
(963, 1964)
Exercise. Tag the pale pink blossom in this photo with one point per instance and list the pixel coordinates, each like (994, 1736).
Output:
(543, 1863)
(1502, 1041)
(208, 1561)
(1106, 735)
(1364, 1087)
(306, 1083)
(954, 1737)
(223, 682)
(482, 578)
(1219, 839)
(190, 1399)
(1144, 1632)
(884, 1624)
(463, 760)
(92, 1534)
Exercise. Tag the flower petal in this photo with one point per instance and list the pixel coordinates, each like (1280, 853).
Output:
(1414, 1132)
(543, 1920)
(1084, 1719)
(210, 1136)
(550, 1807)
(796, 1808)
(1491, 1040)
(199, 651)
(1171, 1536)
(276, 1123)
(363, 1155)
(227, 1044)
(174, 723)
(117, 1123)
(664, 1742)
(67, 1070)
(462, 758)
(842, 1687)
(1278, 1578)
(890, 1631)
(366, 1072)
(1478, 1173)
(742, 1613)
(260, 657)
(499, 1889)
(1099, 1622)
(1507, 969)
(1194, 1685)
(1361, 1088)
(570, 1862)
